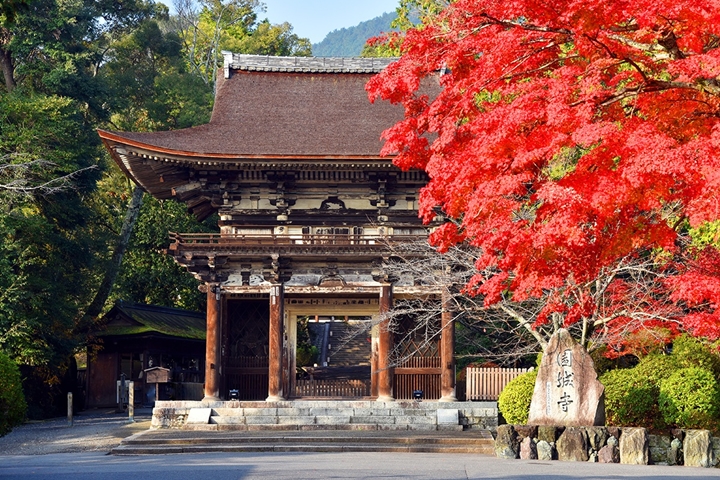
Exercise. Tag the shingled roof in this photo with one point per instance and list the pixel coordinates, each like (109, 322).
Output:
(137, 319)
(280, 107)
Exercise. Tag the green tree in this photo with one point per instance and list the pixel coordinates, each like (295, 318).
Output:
(268, 39)
(150, 276)
(54, 242)
(409, 14)
(12, 400)
(230, 25)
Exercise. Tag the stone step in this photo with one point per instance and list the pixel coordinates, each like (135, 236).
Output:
(174, 441)
(324, 411)
(320, 427)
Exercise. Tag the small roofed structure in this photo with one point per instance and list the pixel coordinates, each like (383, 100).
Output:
(290, 162)
(136, 337)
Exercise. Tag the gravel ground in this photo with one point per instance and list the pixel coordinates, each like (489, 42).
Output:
(91, 431)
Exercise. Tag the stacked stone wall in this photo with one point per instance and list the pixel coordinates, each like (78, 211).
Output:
(635, 446)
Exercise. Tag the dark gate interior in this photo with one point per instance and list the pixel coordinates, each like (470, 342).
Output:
(340, 367)
(246, 348)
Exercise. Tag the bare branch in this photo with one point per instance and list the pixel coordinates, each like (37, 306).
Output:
(24, 178)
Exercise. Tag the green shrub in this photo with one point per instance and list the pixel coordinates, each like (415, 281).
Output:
(306, 355)
(12, 400)
(631, 399)
(692, 352)
(657, 367)
(514, 401)
(690, 398)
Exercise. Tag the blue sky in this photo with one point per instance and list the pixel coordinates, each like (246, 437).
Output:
(314, 19)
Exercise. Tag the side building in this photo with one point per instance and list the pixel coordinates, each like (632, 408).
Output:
(307, 211)
(135, 338)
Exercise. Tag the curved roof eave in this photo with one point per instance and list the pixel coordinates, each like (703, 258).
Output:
(120, 139)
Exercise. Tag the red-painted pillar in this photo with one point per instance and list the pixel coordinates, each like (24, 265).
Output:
(447, 350)
(385, 345)
(213, 338)
(275, 347)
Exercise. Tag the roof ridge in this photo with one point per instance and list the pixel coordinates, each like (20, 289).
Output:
(144, 306)
(269, 63)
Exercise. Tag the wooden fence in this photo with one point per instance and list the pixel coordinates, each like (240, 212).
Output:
(487, 383)
(249, 376)
(332, 387)
(417, 373)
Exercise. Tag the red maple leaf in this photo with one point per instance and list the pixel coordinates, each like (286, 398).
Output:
(567, 138)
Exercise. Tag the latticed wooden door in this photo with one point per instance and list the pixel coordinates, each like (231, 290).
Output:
(417, 359)
(246, 348)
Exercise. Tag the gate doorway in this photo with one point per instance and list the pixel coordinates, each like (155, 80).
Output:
(246, 347)
(332, 356)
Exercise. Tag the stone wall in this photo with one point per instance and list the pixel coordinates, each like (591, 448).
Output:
(478, 414)
(627, 445)
(472, 415)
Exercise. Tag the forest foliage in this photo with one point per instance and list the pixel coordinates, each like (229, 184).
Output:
(67, 69)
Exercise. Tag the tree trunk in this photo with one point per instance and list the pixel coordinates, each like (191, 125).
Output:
(131, 216)
(8, 70)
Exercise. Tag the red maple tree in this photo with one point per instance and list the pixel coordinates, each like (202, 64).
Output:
(569, 137)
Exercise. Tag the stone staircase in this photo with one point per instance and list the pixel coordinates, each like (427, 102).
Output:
(322, 425)
(192, 441)
(349, 346)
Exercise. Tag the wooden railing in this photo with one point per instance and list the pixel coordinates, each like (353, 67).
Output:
(487, 383)
(190, 240)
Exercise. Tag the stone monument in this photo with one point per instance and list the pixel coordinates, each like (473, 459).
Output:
(567, 391)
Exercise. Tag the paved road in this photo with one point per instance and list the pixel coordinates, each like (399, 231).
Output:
(302, 466)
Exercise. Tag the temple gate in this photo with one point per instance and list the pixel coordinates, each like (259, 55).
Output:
(307, 213)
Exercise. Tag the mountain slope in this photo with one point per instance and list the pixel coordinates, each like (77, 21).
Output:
(349, 42)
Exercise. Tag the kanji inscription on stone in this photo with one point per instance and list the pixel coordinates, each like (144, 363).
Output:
(567, 391)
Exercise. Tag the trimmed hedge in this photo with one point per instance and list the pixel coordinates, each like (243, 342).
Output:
(681, 389)
(690, 398)
(12, 399)
(656, 367)
(631, 399)
(514, 400)
(692, 352)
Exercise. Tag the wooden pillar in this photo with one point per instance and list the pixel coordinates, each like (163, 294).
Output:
(385, 345)
(447, 350)
(213, 338)
(374, 361)
(275, 347)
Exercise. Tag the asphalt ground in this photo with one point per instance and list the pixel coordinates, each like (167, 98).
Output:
(52, 449)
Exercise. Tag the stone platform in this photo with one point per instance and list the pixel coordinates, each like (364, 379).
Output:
(361, 415)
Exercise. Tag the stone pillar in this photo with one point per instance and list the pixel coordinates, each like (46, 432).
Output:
(447, 350)
(275, 347)
(385, 345)
(213, 338)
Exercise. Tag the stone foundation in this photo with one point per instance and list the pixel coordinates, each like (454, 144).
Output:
(627, 445)
(471, 415)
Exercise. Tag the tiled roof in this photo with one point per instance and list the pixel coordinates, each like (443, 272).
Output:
(135, 319)
(280, 107)
(257, 63)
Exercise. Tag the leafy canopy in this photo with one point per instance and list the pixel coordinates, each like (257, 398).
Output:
(567, 137)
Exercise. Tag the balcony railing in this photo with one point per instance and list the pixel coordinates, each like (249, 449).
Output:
(205, 240)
